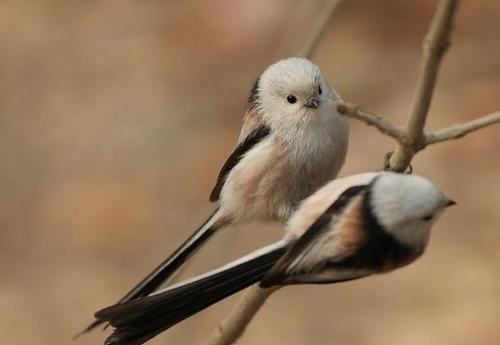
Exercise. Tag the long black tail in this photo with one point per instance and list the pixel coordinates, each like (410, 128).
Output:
(170, 265)
(137, 321)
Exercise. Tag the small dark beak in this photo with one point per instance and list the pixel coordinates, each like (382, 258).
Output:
(312, 103)
(450, 203)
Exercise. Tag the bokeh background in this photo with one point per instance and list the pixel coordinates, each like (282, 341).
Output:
(115, 117)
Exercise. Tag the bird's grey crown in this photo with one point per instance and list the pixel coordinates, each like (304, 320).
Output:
(401, 203)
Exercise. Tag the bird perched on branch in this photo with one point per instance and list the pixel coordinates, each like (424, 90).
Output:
(351, 228)
(292, 142)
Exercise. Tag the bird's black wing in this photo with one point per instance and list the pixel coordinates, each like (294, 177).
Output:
(252, 139)
(293, 259)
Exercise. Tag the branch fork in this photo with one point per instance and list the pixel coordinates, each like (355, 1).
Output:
(454, 131)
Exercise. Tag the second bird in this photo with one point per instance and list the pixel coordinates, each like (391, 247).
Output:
(354, 227)
(292, 142)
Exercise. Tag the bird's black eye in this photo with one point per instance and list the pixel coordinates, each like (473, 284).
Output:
(427, 218)
(319, 90)
(291, 99)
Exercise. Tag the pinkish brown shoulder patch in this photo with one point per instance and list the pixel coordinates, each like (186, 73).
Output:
(351, 234)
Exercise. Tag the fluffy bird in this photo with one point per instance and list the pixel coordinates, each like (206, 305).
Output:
(351, 228)
(292, 142)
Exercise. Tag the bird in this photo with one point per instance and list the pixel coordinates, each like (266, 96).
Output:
(292, 141)
(353, 227)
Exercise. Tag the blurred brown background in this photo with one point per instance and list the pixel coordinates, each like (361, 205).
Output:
(115, 117)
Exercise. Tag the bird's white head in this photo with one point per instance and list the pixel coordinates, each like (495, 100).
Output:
(406, 206)
(294, 90)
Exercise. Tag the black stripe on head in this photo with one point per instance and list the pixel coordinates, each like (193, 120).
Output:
(253, 98)
(380, 249)
(317, 78)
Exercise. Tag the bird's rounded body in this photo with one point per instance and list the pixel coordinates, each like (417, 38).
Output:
(271, 180)
(305, 145)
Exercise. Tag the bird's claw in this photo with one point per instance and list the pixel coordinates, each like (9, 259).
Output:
(387, 163)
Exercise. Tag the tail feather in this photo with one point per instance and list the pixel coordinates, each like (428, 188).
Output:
(170, 265)
(137, 321)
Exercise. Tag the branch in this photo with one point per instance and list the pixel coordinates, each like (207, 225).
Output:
(449, 133)
(413, 139)
(459, 130)
(235, 324)
(384, 126)
(435, 44)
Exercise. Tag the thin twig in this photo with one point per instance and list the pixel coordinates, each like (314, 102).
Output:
(459, 130)
(319, 26)
(235, 324)
(384, 126)
(435, 44)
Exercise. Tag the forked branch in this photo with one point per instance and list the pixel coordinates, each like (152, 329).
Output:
(436, 42)
(454, 131)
